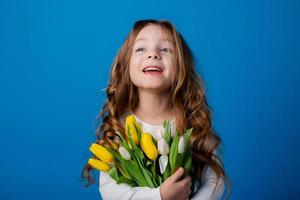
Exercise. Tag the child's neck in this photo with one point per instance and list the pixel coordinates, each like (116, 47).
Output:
(153, 108)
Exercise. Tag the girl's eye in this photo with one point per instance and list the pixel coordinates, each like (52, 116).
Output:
(139, 49)
(164, 50)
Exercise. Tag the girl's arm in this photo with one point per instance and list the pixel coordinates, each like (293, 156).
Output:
(208, 184)
(110, 190)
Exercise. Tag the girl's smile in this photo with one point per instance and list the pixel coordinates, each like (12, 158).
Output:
(153, 70)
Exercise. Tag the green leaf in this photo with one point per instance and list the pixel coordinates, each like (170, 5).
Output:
(145, 172)
(122, 170)
(159, 179)
(167, 134)
(187, 136)
(136, 167)
(141, 161)
(167, 172)
(114, 173)
(153, 167)
(154, 174)
(130, 182)
(183, 159)
(125, 145)
(148, 163)
(138, 176)
(136, 150)
(174, 152)
(132, 167)
(178, 163)
(187, 162)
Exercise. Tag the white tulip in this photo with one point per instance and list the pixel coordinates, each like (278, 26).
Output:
(163, 147)
(124, 153)
(181, 145)
(163, 162)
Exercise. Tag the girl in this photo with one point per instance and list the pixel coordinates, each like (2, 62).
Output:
(153, 77)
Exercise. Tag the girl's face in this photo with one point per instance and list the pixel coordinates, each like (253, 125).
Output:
(152, 62)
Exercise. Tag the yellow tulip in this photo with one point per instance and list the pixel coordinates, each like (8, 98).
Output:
(98, 164)
(130, 126)
(148, 146)
(101, 152)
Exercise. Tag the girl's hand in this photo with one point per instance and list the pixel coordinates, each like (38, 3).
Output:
(174, 188)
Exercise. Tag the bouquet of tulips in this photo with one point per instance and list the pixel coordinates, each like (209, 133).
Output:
(140, 160)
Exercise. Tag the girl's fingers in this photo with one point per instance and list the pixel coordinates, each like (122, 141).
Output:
(177, 175)
(188, 194)
(187, 181)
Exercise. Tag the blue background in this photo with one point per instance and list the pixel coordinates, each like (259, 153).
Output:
(55, 58)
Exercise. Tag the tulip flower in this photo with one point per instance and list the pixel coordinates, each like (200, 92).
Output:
(181, 145)
(173, 132)
(143, 159)
(101, 152)
(131, 126)
(163, 147)
(148, 146)
(98, 164)
(124, 153)
(163, 162)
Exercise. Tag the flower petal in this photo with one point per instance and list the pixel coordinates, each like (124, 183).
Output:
(181, 145)
(101, 152)
(148, 146)
(124, 153)
(163, 162)
(163, 147)
(98, 164)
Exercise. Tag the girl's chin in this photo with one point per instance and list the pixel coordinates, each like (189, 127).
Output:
(153, 88)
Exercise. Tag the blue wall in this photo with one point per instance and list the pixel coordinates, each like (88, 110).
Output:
(55, 58)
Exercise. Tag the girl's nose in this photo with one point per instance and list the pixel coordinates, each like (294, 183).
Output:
(154, 55)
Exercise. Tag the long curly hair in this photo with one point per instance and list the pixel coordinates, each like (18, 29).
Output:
(187, 99)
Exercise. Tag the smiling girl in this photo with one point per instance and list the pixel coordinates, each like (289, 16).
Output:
(153, 77)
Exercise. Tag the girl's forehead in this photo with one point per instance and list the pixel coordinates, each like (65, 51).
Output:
(153, 31)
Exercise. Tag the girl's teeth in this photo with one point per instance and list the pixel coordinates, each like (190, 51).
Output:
(152, 69)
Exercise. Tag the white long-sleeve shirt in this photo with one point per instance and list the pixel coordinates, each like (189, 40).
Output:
(110, 190)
